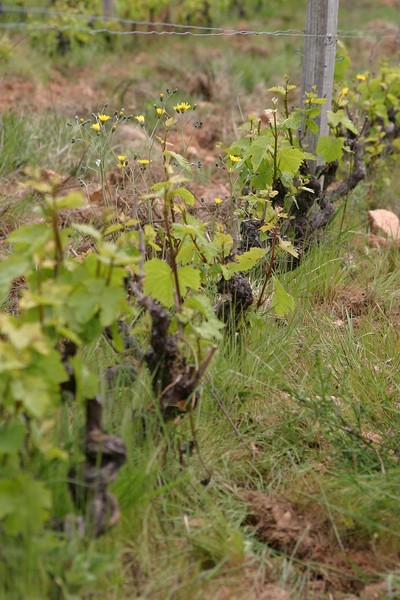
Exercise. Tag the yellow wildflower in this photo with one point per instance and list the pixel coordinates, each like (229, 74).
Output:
(361, 77)
(123, 163)
(182, 107)
(103, 118)
(143, 162)
(160, 111)
(217, 200)
(140, 119)
(95, 126)
(344, 91)
(233, 158)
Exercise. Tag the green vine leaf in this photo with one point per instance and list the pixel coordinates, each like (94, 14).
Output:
(244, 262)
(87, 383)
(330, 148)
(12, 435)
(35, 385)
(185, 194)
(278, 89)
(11, 268)
(182, 162)
(72, 200)
(84, 301)
(31, 237)
(340, 117)
(112, 301)
(158, 281)
(210, 327)
(287, 246)
(24, 505)
(290, 159)
(24, 335)
(189, 277)
(282, 302)
(87, 230)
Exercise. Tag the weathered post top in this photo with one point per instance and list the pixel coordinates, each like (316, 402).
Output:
(108, 8)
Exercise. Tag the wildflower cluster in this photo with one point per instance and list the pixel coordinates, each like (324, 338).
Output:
(100, 119)
(143, 163)
(122, 162)
(182, 107)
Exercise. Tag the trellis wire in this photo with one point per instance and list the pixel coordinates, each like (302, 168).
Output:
(223, 33)
(189, 30)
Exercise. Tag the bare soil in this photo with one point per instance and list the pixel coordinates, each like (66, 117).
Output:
(22, 96)
(335, 566)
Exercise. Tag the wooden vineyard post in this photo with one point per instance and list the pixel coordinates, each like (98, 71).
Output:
(108, 8)
(319, 59)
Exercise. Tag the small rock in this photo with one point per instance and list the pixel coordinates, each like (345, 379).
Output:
(384, 222)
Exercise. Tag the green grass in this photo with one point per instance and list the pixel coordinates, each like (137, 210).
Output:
(288, 390)
(37, 142)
